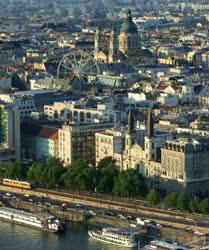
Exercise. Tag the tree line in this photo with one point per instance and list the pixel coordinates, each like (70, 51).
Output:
(105, 178)
(179, 201)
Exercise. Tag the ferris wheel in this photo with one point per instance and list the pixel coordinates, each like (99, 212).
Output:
(77, 64)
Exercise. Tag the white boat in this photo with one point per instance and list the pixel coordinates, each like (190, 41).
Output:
(41, 221)
(114, 236)
(162, 245)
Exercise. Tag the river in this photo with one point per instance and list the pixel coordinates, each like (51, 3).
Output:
(23, 238)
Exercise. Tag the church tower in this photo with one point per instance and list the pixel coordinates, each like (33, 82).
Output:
(129, 38)
(113, 49)
(150, 125)
(129, 141)
(150, 139)
(97, 41)
(130, 134)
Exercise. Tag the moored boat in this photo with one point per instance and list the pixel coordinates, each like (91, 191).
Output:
(41, 221)
(162, 245)
(114, 236)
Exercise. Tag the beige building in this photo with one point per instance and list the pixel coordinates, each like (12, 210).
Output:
(109, 143)
(185, 162)
(78, 142)
(63, 111)
(121, 146)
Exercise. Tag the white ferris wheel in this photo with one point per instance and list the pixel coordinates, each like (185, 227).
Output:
(77, 64)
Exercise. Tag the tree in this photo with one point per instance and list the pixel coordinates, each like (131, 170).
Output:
(103, 163)
(194, 205)
(130, 183)
(153, 197)
(80, 176)
(2, 126)
(2, 171)
(54, 175)
(171, 200)
(16, 171)
(87, 179)
(18, 83)
(204, 206)
(55, 170)
(38, 173)
(182, 202)
(106, 177)
(54, 162)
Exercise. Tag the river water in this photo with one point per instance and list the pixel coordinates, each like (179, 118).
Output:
(24, 238)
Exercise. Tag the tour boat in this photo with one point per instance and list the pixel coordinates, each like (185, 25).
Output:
(114, 236)
(162, 245)
(41, 221)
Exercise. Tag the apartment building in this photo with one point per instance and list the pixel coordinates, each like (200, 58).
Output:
(10, 131)
(78, 142)
(184, 161)
(71, 111)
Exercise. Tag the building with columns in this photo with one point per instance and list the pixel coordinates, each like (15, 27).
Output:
(62, 111)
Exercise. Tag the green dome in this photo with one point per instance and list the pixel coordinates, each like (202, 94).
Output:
(129, 26)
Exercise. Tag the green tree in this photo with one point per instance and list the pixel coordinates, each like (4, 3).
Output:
(171, 200)
(194, 205)
(2, 126)
(16, 171)
(106, 178)
(130, 183)
(182, 202)
(204, 206)
(54, 175)
(54, 162)
(103, 163)
(18, 83)
(87, 179)
(2, 171)
(153, 197)
(38, 173)
(55, 170)
(76, 176)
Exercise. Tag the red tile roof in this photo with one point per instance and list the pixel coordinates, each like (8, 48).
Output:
(48, 133)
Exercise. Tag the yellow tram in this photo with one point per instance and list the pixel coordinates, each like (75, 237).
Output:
(18, 184)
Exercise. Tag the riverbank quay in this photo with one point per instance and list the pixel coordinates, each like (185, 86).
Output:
(70, 214)
(187, 221)
(81, 216)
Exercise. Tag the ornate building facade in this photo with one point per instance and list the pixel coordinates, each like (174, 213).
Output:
(123, 47)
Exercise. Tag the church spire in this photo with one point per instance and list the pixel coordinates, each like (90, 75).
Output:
(129, 16)
(113, 48)
(150, 125)
(97, 41)
(130, 122)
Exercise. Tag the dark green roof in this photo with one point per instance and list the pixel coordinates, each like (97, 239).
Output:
(129, 26)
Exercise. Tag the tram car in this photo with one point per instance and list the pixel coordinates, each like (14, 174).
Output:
(16, 183)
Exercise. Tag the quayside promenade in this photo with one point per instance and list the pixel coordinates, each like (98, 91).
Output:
(176, 219)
